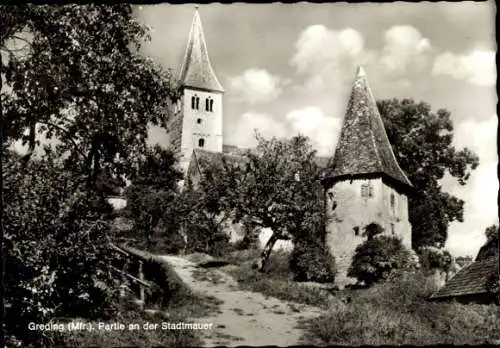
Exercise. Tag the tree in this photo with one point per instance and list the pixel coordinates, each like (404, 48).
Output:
(432, 258)
(56, 248)
(372, 230)
(209, 206)
(280, 190)
(377, 258)
(80, 82)
(153, 191)
(492, 233)
(422, 144)
(491, 247)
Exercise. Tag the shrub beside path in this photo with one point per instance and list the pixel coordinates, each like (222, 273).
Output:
(244, 317)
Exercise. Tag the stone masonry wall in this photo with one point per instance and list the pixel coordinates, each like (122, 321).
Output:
(349, 211)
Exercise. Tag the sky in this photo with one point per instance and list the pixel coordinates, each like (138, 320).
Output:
(287, 69)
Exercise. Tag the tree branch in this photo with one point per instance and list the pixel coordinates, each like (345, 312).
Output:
(50, 124)
(21, 39)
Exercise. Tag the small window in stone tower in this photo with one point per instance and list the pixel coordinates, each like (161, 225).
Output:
(198, 121)
(201, 142)
(211, 105)
(356, 230)
(207, 103)
(193, 102)
(392, 229)
(366, 190)
(334, 205)
(197, 103)
(393, 201)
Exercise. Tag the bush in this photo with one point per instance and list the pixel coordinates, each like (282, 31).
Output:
(376, 258)
(312, 262)
(56, 249)
(397, 312)
(434, 258)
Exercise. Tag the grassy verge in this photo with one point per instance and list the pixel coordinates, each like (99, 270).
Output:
(173, 301)
(276, 280)
(397, 312)
(133, 338)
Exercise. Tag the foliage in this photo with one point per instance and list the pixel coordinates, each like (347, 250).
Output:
(434, 258)
(171, 288)
(186, 307)
(422, 144)
(397, 312)
(80, 82)
(206, 214)
(280, 190)
(376, 258)
(492, 233)
(373, 229)
(312, 262)
(56, 247)
(152, 195)
(276, 280)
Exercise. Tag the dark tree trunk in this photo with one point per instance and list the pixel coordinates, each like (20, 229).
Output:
(264, 257)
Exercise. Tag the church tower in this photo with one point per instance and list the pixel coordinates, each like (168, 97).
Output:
(364, 184)
(197, 123)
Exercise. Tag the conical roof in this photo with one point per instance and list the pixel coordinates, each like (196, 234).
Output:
(196, 69)
(363, 147)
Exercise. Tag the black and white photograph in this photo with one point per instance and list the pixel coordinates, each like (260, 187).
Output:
(249, 174)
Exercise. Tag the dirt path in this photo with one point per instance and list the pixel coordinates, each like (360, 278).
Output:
(245, 318)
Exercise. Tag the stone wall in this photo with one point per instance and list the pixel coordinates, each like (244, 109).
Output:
(353, 204)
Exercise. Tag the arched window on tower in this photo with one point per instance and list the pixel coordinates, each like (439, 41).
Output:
(193, 102)
(197, 102)
(201, 142)
(211, 105)
(207, 104)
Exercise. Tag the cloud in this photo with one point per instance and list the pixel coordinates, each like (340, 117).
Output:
(480, 193)
(479, 136)
(318, 48)
(481, 210)
(404, 47)
(328, 59)
(312, 122)
(256, 86)
(243, 134)
(478, 68)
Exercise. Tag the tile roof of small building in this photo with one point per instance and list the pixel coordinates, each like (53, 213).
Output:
(196, 69)
(363, 146)
(470, 280)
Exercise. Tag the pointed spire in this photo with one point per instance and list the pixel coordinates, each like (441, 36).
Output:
(361, 72)
(363, 147)
(196, 69)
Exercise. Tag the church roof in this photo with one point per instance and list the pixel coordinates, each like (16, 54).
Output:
(204, 159)
(470, 280)
(363, 146)
(196, 69)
